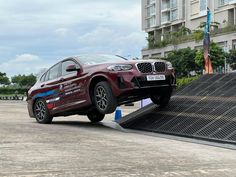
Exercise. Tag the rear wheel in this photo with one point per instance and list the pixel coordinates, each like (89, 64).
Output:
(95, 116)
(41, 112)
(104, 100)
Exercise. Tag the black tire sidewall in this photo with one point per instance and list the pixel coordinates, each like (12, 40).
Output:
(163, 99)
(95, 116)
(111, 99)
(47, 118)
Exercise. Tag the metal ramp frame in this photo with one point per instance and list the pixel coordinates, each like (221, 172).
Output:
(204, 109)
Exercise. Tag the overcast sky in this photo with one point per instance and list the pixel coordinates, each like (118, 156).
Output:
(35, 34)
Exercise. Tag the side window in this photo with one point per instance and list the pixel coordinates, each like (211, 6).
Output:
(42, 79)
(53, 72)
(64, 66)
(46, 76)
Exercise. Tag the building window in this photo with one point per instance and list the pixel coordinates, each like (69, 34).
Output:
(173, 15)
(165, 17)
(145, 57)
(150, 2)
(151, 22)
(222, 45)
(165, 4)
(173, 4)
(203, 5)
(151, 10)
(234, 45)
(223, 2)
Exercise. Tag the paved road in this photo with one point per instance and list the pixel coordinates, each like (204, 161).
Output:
(74, 147)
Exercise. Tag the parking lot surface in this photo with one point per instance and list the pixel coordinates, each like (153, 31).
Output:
(72, 146)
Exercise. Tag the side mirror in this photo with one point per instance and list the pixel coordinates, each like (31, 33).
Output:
(72, 68)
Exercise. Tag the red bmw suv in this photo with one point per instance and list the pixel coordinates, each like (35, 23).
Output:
(94, 85)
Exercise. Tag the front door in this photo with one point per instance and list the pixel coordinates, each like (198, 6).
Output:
(70, 86)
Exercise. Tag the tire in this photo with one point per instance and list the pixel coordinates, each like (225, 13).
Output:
(95, 116)
(162, 100)
(41, 112)
(103, 98)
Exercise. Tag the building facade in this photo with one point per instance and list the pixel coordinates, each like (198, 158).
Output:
(162, 17)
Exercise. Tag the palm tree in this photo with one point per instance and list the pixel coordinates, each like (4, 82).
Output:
(214, 25)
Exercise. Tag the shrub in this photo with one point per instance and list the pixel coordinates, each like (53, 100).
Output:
(11, 90)
(185, 80)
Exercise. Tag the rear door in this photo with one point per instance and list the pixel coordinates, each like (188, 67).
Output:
(51, 87)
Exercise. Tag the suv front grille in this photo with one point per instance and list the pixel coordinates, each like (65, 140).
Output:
(145, 67)
(160, 67)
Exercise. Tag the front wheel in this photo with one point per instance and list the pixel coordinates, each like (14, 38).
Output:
(41, 112)
(95, 116)
(104, 100)
(162, 100)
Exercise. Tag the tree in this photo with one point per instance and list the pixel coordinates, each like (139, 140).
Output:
(182, 31)
(23, 80)
(151, 41)
(4, 80)
(214, 25)
(183, 61)
(217, 56)
(40, 73)
(231, 59)
(198, 35)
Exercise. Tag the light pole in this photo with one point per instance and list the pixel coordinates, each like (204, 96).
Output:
(226, 50)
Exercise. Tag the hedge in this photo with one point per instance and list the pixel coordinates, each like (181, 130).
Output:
(185, 80)
(12, 91)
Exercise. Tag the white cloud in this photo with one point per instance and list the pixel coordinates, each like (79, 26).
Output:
(63, 32)
(103, 39)
(54, 29)
(26, 58)
(23, 64)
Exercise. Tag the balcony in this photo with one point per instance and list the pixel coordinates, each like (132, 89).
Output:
(171, 38)
(226, 2)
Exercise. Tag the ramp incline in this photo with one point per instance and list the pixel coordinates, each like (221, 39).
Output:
(204, 109)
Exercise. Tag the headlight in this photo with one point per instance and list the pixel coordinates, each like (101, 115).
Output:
(169, 65)
(119, 67)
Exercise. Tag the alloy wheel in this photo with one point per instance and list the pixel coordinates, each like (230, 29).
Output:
(101, 97)
(40, 110)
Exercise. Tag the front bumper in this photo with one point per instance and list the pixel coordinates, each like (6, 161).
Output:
(142, 82)
(132, 86)
(125, 82)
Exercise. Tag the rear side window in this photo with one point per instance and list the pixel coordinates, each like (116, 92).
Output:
(46, 76)
(42, 79)
(54, 72)
(64, 66)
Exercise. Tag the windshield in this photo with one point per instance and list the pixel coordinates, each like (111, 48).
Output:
(98, 59)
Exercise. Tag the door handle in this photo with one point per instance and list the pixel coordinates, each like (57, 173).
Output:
(42, 85)
(62, 80)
